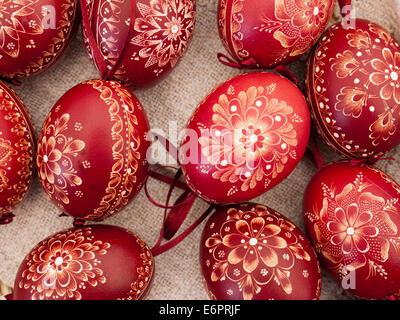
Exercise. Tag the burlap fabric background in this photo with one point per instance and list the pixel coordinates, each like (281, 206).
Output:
(177, 271)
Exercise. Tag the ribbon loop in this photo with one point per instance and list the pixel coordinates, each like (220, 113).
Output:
(177, 216)
(245, 64)
(12, 81)
(314, 154)
(343, 4)
(163, 178)
(371, 162)
(97, 55)
(284, 71)
(79, 222)
(7, 218)
(172, 187)
(160, 249)
(100, 61)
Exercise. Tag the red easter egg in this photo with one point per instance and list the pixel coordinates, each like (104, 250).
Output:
(92, 149)
(245, 138)
(162, 31)
(17, 145)
(352, 216)
(34, 34)
(88, 263)
(272, 32)
(251, 252)
(353, 83)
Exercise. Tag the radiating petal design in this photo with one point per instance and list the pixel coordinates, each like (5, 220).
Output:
(249, 135)
(164, 30)
(59, 264)
(250, 250)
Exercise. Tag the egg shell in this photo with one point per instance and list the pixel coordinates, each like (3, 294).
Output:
(251, 252)
(34, 34)
(245, 138)
(91, 154)
(272, 32)
(352, 216)
(162, 31)
(17, 148)
(89, 263)
(353, 87)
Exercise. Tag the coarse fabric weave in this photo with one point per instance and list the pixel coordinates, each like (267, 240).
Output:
(177, 271)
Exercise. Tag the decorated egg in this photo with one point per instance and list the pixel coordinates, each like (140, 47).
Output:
(251, 252)
(143, 44)
(34, 34)
(88, 263)
(352, 216)
(272, 32)
(245, 138)
(91, 154)
(353, 86)
(17, 145)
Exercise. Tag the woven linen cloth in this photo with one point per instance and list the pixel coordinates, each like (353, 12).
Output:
(178, 273)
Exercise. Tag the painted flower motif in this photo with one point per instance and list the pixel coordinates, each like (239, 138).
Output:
(6, 152)
(352, 229)
(345, 64)
(311, 16)
(387, 75)
(59, 268)
(351, 101)
(383, 128)
(297, 23)
(253, 242)
(359, 39)
(48, 158)
(372, 53)
(381, 33)
(17, 16)
(251, 138)
(253, 248)
(353, 225)
(164, 28)
(54, 162)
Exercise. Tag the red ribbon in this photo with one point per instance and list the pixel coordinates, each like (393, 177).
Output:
(315, 154)
(178, 215)
(393, 297)
(252, 64)
(229, 62)
(172, 187)
(79, 223)
(125, 46)
(163, 178)
(7, 219)
(182, 206)
(160, 249)
(98, 57)
(9, 297)
(15, 82)
(371, 162)
(342, 4)
(284, 71)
